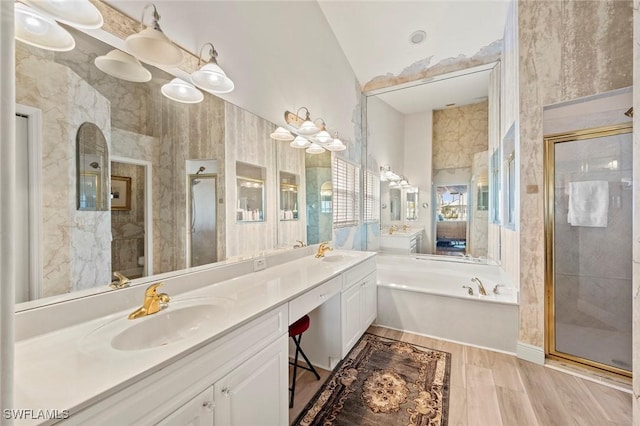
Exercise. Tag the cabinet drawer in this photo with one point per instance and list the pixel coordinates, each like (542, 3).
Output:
(307, 302)
(358, 272)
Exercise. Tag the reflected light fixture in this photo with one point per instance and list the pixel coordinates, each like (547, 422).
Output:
(77, 13)
(121, 65)
(211, 77)
(307, 133)
(151, 45)
(37, 29)
(282, 134)
(300, 142)
(386, 174)
(181, 91)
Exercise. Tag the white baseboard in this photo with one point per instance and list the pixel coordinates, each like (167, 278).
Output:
(530, 353)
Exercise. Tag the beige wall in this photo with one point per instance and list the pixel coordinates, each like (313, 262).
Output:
(458, 133)
(568, 49)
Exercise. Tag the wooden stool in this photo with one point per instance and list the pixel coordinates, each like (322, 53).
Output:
(295, 332)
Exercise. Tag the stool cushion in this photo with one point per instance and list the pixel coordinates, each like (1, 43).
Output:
(299, 326)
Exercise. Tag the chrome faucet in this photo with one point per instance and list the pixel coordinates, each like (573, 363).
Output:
(121, 282)
(153, 302)
(481, 288)
(299, 244)
(324, 247)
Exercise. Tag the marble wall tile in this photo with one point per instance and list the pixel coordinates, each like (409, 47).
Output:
(66, 101)
(458, 133)
(560, 59)
(247, 140)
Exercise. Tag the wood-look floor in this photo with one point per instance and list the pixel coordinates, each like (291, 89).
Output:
(493, 389)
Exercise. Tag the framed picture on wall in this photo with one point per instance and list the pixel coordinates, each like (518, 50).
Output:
(120, 193)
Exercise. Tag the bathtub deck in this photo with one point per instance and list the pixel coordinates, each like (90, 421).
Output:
(493, 389)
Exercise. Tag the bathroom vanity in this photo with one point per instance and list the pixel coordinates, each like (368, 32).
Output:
(401, 241)
(218, 354)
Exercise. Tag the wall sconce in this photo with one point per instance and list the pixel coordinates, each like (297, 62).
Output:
(77, 13)
(386, 174)
(211, 77)
(181, 91)
(39, 30)
(121, 65)
(151, 45)
(309, 134)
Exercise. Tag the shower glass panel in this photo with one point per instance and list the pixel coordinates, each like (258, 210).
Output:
(202, 219)
(588, 244)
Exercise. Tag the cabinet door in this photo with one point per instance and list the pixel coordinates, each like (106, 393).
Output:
(351, 317)
(370, 298)
(197, 412)
(256, 393)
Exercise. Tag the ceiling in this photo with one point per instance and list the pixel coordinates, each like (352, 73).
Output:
(374, 36)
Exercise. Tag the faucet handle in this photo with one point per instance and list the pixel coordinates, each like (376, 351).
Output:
(122, 281)
(496, 288)
(469, 289)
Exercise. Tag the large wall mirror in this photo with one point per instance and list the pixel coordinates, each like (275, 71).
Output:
(436, 134)
(150, 187)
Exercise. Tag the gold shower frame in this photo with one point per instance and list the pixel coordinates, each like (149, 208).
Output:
(549, 224)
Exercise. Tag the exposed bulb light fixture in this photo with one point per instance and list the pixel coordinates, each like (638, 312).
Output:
(77, 13)
(181, 91)
(121, 65)
(211, 77)
(152, 46)
(307, 133)
(39, 30)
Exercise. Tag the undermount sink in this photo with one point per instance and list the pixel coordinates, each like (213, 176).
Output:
(181, 320)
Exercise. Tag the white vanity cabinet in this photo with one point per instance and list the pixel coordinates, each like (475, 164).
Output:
(358, 304)
(402, 242)
(236, 368)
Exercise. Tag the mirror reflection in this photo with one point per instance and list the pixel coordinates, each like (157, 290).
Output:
(163, 191)
(91, 155)
(319, 197)
(440, 140)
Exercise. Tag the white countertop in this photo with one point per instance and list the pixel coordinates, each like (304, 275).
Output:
(400, 233)
(65, 370)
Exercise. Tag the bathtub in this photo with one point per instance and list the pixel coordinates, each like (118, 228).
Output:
(423, 294)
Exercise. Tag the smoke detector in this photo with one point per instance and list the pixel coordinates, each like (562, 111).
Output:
(417, 37)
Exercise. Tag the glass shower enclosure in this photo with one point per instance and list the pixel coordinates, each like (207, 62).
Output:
(588, 223)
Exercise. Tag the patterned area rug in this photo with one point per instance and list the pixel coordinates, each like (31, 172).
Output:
(384, 382)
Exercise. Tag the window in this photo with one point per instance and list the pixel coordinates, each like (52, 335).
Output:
(371, 197)
(346, 193)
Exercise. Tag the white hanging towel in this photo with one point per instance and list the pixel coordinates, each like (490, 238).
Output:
(588, 203)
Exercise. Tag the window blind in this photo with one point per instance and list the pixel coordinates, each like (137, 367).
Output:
(371, 197)
(346, 193)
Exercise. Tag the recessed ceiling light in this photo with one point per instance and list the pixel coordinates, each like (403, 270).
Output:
(417, 37)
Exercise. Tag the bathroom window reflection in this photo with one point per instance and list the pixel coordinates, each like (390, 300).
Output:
(91, 168)
(288, 196)
(250, 189)
(326, 197)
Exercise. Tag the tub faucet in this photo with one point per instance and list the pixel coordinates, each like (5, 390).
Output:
(324, 247)
(153, 302)
(481, 288)
(469, 289)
